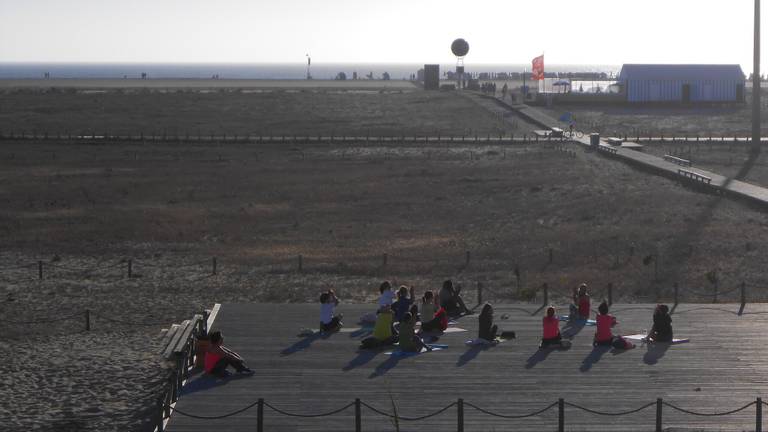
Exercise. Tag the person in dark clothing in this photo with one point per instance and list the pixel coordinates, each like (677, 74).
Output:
(488, 330)
(450, 299)
(662, 325)
(403, 303)
(438, 323)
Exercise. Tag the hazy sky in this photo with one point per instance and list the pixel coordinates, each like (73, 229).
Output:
(504, 31)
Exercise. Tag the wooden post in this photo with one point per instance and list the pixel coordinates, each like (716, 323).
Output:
(301, 263)
(260, 416)
(160, 415)
(479, 292)
(466, 264)
(545, 287)
(610, 294)
(717, 286)
(40, 270)
(130, 268)
(87, 320)
(358, 417)
(460, 415)
(551, 253)
(743, 295)
(676, 288)
(384, 261)
(214, 265)
(759, 415)
(561, 415)
(658, 415)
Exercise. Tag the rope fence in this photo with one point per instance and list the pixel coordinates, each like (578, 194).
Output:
(460, 404)
(539, 264)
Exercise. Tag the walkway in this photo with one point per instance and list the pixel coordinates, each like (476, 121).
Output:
(725, 366)
(691, 175)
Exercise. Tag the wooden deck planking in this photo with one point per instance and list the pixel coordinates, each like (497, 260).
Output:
(724, 367)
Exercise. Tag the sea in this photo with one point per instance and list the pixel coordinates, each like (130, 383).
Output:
(276, 71)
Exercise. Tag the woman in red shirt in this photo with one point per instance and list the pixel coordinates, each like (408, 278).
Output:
(603, 334)
(580, 309)
(551, 326)
(218, 358)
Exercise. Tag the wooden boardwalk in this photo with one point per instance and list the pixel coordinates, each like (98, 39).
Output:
(725, 366)
(717, 183)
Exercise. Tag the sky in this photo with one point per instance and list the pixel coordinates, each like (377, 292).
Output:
(378, 31)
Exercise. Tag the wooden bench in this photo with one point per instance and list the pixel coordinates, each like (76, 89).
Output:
(179, 346)
(677, 160)
(694, 176)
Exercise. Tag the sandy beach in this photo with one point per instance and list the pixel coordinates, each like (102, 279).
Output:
(84, 210)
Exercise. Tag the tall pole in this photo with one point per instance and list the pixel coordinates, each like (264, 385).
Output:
(756, 84)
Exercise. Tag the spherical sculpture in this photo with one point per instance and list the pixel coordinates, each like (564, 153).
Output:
(460, 47)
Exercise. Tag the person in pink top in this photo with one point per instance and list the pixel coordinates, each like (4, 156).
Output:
(218, 358)
(603, 334)
(551, 325)
(581, 307)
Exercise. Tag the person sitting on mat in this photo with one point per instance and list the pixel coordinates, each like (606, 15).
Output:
(580, 309)
(429, 305)
(488, 330)
(603, 333)
(408, 339)
(438, 323)
(662, 325)
(450, 299)
(218, 358)
(403, 303)
(551, 325)
(387, 295)
(328, 321)
(383, 334)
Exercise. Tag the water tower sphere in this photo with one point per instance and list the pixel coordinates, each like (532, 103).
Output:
(460, 47)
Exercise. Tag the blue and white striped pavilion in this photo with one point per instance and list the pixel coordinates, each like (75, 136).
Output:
(689, 83)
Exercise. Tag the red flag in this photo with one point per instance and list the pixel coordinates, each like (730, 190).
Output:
(537, 70)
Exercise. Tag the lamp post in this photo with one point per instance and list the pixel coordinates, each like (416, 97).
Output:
(756, 83)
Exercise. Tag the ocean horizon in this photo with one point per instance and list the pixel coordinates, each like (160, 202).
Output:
(277, 71)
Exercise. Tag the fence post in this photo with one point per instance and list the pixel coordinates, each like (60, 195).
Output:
(467, 261)
(40, 270)
(130, 268)
(160, 415)
(658, 414)
(460, 415)
(743, 294)
(759, 415)
(215, 263)
(301, 263)
(551, 255)
(87, 320)
(546, 294)
(676, 287)
(479, 292)
(358, 417)
(561, 415)
(384, 259)
(260, 416)
(610, 294)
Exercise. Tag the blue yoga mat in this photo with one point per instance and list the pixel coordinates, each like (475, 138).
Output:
(588, 322)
